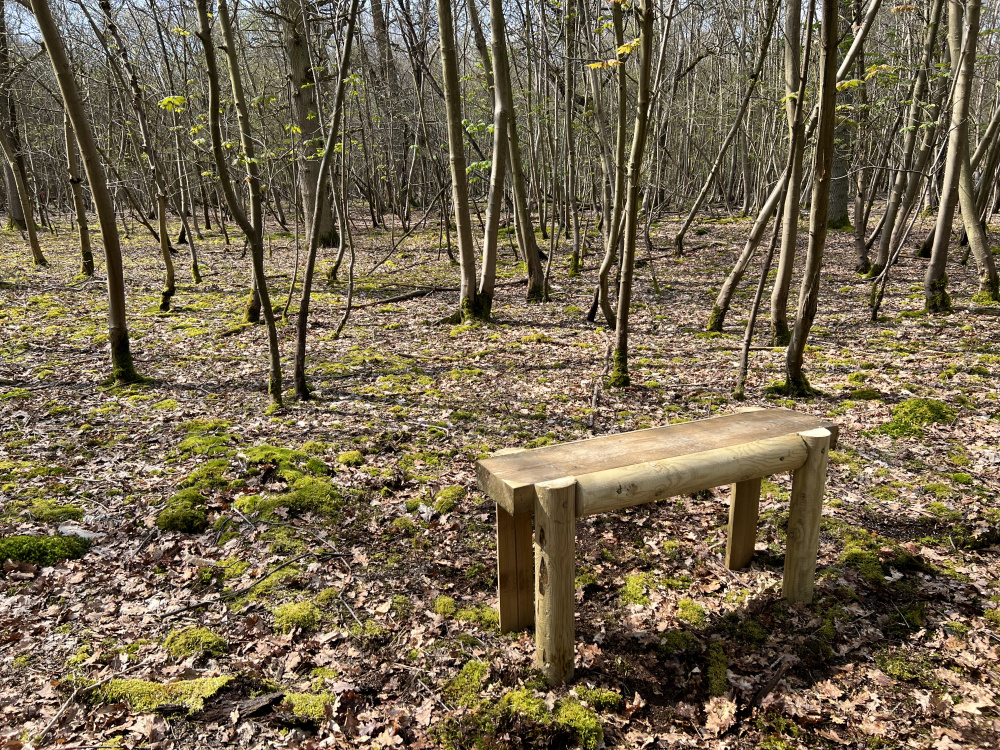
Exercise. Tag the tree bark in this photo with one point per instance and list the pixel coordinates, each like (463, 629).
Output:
(79, 204)
(469, 306)
(305, 114)
(253, 226)
(796, 139)
(619, 377)
(905, 174)
(795, 380)
(122, 367)
(978, 243)
(936, 298)
(314, 229)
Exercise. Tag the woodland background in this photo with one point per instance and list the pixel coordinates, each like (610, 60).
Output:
(460, 228)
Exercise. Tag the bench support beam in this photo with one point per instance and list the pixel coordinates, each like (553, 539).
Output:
(515, 571)
(555, 567)
(743, 510)
(805, 513)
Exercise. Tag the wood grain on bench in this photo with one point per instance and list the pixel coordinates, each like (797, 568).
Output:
(510, 479)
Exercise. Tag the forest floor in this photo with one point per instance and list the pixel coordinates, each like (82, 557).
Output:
(342, 592)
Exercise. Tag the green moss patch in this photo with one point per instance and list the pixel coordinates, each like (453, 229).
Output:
(208, 475)
(184, 513)
(206, 437)
(42, 550)
(308, 495)
(692, 613)
(291, 464)
(569, 714)
(145, 696)
(303, 615)
(351, 458)
(634, 590)
(911, 416)
(601, 699)
(715, 669)
(465, 687)
(448, 498)
(445, 605)
(309, 705)
(195, 642)
(50, 511)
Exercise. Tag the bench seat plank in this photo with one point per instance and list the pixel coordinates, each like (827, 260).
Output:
(510, 479)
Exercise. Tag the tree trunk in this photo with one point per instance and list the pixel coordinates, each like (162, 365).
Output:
(304, 112)
(122, 368)
(619, 377)
(152, 156)
(904, 175)
(978, 243)
(79, 205)
(23, 196)
(795, 380)
(320, 192)
(733, 130)
(469, 306)
(505, 96)
(252, 227)
(790, 219)
(936, 298)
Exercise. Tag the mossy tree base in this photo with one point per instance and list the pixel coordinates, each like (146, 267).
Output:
(873, 271)
(122, 368)
(252, 312)
(793, 387)
(619, 377)
(937, 299)
(987, 295)
(780, 333)
(165, 296)
(476, 309)
(716, 319)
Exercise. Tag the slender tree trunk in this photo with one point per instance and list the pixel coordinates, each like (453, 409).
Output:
(936, 298)
(569, 78)
(733, 130)
(314, 229)
(8, 122)
(904, 175)
(24, 198)
(79, 204)
(978, 243)
(619, 377)
(252, 227)
(122, 368)
(612, 235)
(469, 306)
(796, 382)
(304, 111)
(505, 96)
(790, 220)
(151, 154)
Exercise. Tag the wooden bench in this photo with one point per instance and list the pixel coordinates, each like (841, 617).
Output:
(559, 483)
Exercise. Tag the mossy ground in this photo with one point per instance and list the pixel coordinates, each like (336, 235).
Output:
(42, 550)
(906, 576)
(195, 642)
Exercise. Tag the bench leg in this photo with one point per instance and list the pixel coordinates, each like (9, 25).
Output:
(555, 566)
(808, 485)
(743, 510)
(515, 571)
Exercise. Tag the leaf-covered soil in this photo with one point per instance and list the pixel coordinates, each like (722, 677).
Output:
(334, 584)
